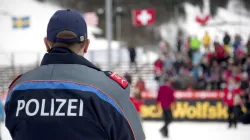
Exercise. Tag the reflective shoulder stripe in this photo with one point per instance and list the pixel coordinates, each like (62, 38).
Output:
(28, 85)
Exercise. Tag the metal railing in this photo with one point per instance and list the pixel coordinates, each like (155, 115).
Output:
(7, 74)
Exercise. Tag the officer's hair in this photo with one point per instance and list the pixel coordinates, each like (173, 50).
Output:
(67, 35)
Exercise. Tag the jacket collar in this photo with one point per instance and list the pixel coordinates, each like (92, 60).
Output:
(62, 55)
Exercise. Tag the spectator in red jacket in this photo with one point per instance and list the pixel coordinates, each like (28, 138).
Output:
(228, 72)
(231, 99)
(137, 100)
(220, 52)
(158, 68)
(166, 99)
(209, 56)
(137, 103)
(140, 85)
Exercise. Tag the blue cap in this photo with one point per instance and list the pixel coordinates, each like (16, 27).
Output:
(67, 20)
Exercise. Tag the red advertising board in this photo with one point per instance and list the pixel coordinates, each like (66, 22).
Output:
(189, 95)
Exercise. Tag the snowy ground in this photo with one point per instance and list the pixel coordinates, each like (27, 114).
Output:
(197, 131)
(188, 131)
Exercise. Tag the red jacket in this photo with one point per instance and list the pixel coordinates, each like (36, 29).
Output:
(220, 52)
(158, 67)
(165, 96)
(209, 56)
(229, 95)
(141, 86)
(137, 103)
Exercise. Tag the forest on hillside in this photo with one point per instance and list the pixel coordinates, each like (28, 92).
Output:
(141, 35)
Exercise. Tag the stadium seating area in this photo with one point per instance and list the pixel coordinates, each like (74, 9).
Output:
(145, 72)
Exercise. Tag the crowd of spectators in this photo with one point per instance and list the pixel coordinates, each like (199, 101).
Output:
(223, 65)
(207, 70)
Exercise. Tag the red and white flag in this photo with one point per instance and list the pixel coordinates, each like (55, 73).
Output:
(91, 18)
(143, 17)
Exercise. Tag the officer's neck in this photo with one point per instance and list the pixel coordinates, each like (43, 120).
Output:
(59, 49)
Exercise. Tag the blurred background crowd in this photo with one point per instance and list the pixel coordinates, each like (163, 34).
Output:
(200, 64)
(207, 69)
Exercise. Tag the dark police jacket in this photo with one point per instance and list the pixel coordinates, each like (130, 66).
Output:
(68, 98)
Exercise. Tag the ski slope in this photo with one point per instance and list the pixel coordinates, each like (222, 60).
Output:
(231, 19)
(27, 44)
(187, 131)
(31, 39)
(226, 20)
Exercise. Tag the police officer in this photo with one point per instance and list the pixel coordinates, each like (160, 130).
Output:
(67, 97)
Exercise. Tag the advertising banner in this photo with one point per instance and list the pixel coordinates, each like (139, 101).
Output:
(190, 106)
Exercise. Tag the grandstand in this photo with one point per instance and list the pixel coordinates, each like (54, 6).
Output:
(145, 71)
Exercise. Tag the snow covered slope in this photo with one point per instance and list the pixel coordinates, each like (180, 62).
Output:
(231, 20)
(27, 44)
(31, 39)
(225, 20)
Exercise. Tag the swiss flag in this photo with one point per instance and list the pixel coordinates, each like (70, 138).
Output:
(143, 17)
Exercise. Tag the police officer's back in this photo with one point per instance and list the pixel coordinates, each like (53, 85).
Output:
(67, 97)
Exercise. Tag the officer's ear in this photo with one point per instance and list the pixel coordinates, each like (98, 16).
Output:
(46, 44)
(86, 46)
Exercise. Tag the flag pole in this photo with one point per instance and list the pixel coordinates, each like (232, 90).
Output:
(109, 31)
